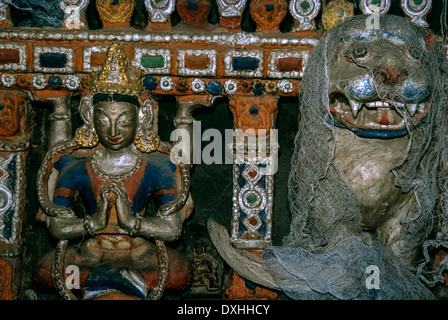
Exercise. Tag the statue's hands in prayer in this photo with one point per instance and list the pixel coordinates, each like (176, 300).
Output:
(102, 208)
(163, 228)
(99, 220)
(123, 206)
(68, 227)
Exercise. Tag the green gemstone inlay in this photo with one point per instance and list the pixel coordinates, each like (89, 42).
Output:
(152, 61)
(418, 2)
(376, 2)
(305, 5)
(252, 198)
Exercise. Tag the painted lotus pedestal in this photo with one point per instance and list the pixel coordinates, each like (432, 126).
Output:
(115, 165)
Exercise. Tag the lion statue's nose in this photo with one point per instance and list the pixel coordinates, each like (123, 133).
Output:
(388, 75)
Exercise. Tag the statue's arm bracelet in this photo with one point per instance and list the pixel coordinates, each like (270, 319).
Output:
(88, 226)
(137, 226)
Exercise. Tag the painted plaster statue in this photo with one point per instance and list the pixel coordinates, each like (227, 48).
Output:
(367, 189)
(116, 166)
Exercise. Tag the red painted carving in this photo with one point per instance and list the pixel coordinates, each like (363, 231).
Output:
(10, 109)
(253, 112)
(194, 12)
(6, 290)
(268, 14)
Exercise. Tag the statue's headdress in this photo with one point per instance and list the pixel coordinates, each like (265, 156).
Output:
(115, 76)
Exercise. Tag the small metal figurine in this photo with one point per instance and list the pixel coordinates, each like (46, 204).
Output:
(116, 164)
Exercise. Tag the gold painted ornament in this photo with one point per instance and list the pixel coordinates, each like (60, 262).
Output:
(118, 11)
(148, 142)
(335, 12)
(86, 137)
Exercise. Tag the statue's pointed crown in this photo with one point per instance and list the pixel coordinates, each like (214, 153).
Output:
(115, 75)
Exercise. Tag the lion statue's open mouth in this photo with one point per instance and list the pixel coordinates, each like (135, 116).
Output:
(379, 86)
(376, 118)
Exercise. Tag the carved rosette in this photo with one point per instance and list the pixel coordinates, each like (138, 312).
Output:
(304, 12)
(160, 11)
(416, 10)
(74, 17)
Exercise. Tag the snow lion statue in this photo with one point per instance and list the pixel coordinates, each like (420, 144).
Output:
(368, 183)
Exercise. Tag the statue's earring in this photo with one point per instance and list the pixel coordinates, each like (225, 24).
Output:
(86, 137)
(147, 141)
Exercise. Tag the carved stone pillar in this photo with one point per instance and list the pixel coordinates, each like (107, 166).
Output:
(14, 144)
(255, 158)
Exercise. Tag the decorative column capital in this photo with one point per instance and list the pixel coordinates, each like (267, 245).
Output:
(254, 113)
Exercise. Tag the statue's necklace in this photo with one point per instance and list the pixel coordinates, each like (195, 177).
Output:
(96, 168)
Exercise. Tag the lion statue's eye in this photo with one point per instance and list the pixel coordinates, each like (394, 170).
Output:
(359, 52)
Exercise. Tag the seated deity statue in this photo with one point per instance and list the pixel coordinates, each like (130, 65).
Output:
(116, 167)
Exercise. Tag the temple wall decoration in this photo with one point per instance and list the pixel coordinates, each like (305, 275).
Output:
(252, 59)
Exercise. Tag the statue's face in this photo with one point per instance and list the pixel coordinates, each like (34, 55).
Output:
(115, 124)
(379, 83)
